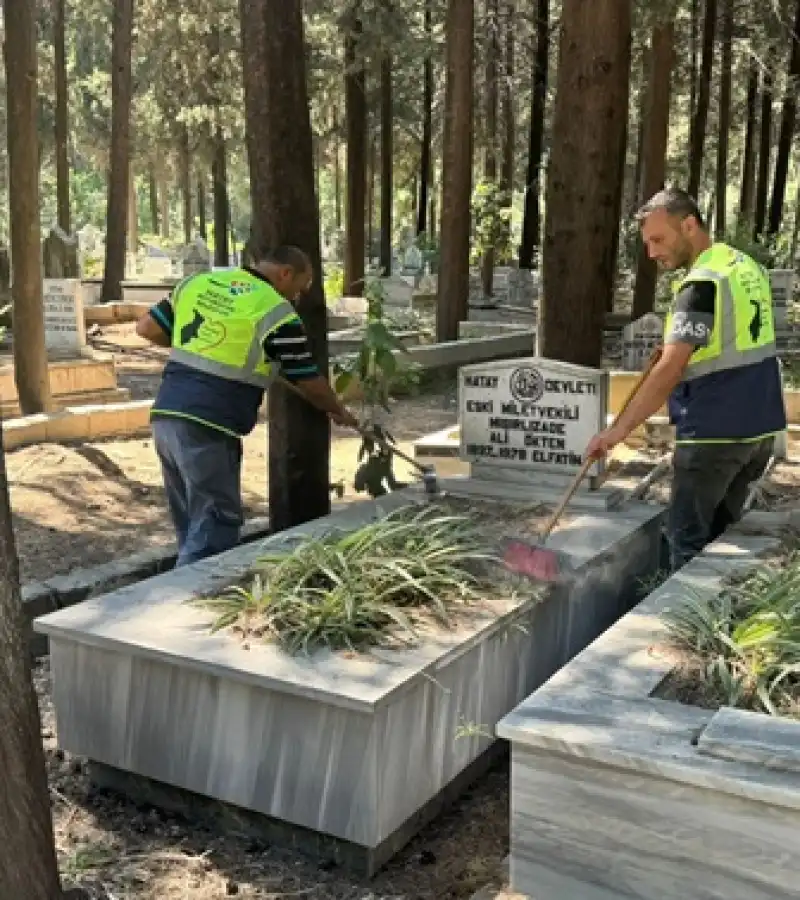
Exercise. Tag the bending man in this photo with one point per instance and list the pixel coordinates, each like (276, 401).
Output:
(226, 330)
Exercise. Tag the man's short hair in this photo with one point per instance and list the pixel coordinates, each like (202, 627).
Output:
(674, 202)
(284, 255)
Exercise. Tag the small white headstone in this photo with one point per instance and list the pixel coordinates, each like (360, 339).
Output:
(522, 288)
(397, 291)
(157, 268)
(782, 281)
(196, 258)
(412, 261)
(639, 339)
(354, 307)
(64, 324)
(531, 415)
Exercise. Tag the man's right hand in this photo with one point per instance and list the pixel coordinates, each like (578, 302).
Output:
(345, 418)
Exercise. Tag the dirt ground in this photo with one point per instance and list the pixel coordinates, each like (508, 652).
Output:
(82, 505)
(119, 850)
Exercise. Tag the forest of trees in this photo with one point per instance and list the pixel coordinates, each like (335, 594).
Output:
(495, 131)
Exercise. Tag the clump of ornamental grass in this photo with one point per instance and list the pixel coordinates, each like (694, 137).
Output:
(746, 639)
(345, 590)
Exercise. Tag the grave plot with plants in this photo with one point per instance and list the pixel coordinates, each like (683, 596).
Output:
(344, 677)
(683, 716)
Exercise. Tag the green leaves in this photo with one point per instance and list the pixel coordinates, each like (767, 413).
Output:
(345, 590)
(748, 638)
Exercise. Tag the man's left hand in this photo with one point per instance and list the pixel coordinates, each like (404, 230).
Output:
(603, 443)
(345, 418)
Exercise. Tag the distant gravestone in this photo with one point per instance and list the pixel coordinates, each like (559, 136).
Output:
(532, 415)
(196, 258)
(64, 324)
(350, 307)
(397, 292)
(782, 281)
(639, 339)
(522, 288)
(60, 254)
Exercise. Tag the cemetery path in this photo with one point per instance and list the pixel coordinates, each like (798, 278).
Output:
(79, 506)
(110, 844)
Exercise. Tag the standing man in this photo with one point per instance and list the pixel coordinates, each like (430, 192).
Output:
(719, 371)
(227, 331)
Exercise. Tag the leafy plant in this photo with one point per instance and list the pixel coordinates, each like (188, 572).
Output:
(747, 638)
(770, 251)
(334, 284)
(344, 590)
(491, 211)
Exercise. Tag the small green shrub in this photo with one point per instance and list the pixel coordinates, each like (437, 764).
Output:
(334, 285)
(345, 590)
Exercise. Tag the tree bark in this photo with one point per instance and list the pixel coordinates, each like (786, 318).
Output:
(133, 213)
(219, 176)
(28, 867)
(795, 241)
(153, 189)
(30, 354)
(387, 174)
(654, 151)
(201, 207)
(164, 202)
(490, 160)
(583, 184)
(121, 94)
(694, 29)
(186, 184)
(337, 169)
(700, 120)
(285, 212)
(62, 117)
(531, 225)
(725, 86)
(427, 126)
(509, 118)
(788, 118)
(356, 118)
(764, 150)
(748, 188)
(453, 290)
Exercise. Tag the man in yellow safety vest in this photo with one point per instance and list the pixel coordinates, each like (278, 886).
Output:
(719, 373)
(227, 331)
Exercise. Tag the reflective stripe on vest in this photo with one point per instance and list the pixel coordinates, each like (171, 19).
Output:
(723, 351)
(253, 368)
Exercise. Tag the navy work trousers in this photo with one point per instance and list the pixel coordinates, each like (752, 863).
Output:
(202, 470)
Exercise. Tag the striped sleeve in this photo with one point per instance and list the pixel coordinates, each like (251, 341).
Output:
(164, 314)
(288, 346)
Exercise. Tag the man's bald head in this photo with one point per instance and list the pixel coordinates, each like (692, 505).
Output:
(287, 267)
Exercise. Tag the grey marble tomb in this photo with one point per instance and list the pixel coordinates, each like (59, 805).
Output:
(618, 795)
(362, 750)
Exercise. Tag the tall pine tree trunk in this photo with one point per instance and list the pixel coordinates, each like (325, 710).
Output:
(654, 151)
(764, 150)
(121, 95)
(133, 213)
(785, 137)
(356, 123)
(490, 160)
(285, 212)
(531, 224)
(28, 866)
(337, 169)
(186, 184)
(219, 176)
(153, 191)
(427, 126)
(201, 207)
(583, 201)
(164, 203)
(724, 118)
(61, 118)
(748, 188)
(700, 119)
(509, 119)
(30, 355)
(453, 280)
(387, 156)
